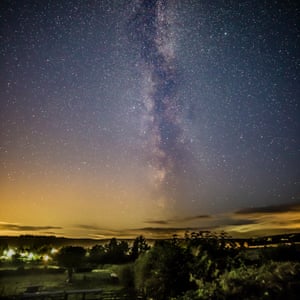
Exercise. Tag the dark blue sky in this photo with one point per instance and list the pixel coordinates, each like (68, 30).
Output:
(147, 111)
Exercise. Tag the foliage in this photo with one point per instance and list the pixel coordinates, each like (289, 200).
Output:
(116, 251)
(139, 246)
(163, 271)
(270, 281)
(212, 254)
(126, 276)
(202, 266)
(97, 255)
(70, 257)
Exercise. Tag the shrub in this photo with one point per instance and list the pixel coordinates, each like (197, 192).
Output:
(270, 281)
(126, 276)
(163, 271)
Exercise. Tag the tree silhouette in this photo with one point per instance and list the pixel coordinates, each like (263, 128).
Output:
(139, 246)
(97, 254)
(71, 257)
(213, 254)
(163, 271)
(116, 251)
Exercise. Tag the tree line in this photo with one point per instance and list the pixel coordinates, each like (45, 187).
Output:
(201, 265)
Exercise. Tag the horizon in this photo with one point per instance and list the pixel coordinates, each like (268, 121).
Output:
(249, 222)
(181, 235)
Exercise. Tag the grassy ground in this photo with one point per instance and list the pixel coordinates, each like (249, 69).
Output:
(16, 283)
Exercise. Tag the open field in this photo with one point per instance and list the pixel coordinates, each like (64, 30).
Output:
(16, 283)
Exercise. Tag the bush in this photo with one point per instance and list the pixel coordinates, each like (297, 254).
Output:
(126, 276)
(213, 254)
(163, 271)
(270, 281)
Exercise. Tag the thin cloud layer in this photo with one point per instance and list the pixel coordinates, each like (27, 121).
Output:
(253, 221)
(158, 222)
(167, 232)
(88, 227)
(178, 220)
(265, 220)
(18, 227)
(282, 208)
(236, 222)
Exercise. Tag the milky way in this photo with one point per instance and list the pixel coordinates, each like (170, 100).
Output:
(151, 29)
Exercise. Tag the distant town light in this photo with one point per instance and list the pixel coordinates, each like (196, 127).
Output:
(23, 254)
(10, 253)
(46, 258)
(30, 256)
(53, 251)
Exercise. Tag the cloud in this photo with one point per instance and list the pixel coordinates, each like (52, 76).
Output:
(18, 227)
(178, 220)
(272, 219)
(158, 222)
(287, 222)
(97, 231)
(282, 208)
(170, 230)
(237, 222)
(50, 233)
(244, 222)
(88, 227)
(193, 218)
(163, 229)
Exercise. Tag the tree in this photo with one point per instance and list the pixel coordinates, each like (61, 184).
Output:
(213, 254)
(139, 246)
(70, 257)
(116, 251)
(97, 255)
(163, 271)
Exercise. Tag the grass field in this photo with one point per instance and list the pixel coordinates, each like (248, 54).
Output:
(15, 283)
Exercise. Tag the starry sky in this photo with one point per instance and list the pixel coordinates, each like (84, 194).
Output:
(121, 118)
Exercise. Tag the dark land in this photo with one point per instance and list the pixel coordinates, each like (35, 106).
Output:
(37, 241)
(199, 265)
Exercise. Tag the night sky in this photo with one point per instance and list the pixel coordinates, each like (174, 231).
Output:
(155, 117)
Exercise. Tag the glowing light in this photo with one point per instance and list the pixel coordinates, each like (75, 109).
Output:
(46, 258)
(23, 254)
(53, 251)
(10, 253)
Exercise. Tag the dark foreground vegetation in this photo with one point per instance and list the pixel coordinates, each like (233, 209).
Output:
(200, 265)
